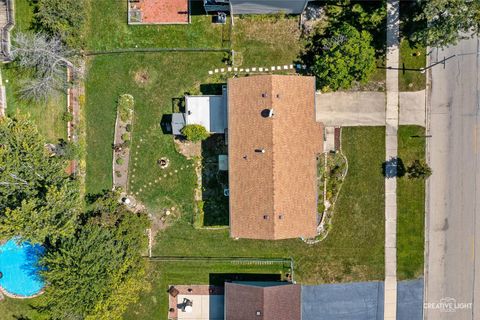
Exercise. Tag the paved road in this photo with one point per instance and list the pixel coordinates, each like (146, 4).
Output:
(453, 228)
(367, 108)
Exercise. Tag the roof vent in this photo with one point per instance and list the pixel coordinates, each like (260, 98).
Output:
(265, 217)
(264, 95)
(267, 113)
(259, 313)
(260, 150)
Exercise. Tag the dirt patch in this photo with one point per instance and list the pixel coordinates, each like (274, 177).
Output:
(187, 148)
(142, 77)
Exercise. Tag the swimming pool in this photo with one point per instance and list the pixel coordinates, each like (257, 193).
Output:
(19, 268)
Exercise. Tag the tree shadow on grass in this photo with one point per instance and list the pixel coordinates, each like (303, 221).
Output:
(393, 168)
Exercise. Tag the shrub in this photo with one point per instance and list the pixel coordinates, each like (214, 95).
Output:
(125, 136)
(118, 174)
(125, 107)
(126, 144)
(67, 116)
(195, 132)
(128, 127)
(120, 161)
(419, 169)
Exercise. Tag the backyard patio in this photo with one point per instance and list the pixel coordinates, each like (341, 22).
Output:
(158, 11)
(200, 302)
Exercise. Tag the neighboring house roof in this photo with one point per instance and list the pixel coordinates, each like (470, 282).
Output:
(208, 111)
(263, 302)
(267, 6)
(273, 194)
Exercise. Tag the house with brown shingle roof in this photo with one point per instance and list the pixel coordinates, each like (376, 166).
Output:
(273, 142)
(262, 301)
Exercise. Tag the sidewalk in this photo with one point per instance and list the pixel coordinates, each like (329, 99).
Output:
(390, 302)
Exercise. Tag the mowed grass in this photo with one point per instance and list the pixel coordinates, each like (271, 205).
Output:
(153, 302)
(411, 206)
(108, 29)
(16, 309)
(47, 115)
(24, 11)
(411, 57)
(354, 249)
(266, 40)
(153, 79)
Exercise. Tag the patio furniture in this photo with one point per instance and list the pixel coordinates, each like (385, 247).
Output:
(173, 291)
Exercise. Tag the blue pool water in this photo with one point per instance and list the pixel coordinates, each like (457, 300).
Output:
(18, 264)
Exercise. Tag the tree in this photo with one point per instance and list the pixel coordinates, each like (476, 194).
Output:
(99, 271)
(47, 57)
(443, 22)
(195, 132)
(38, 200)
(419, 169)
(342, 56)
(64, 19)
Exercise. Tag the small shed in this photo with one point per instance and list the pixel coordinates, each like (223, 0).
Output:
(209, 111)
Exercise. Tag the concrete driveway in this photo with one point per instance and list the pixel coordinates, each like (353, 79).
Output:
(360, 301)
(367, 108)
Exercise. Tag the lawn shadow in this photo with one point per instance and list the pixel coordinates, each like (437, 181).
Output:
(212, 88)
(219, 279)
(393, 168)
(214, 182)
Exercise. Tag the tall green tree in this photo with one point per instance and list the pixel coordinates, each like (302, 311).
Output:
(99, 271)
(341, 56)
(38, 200)
(443, 22)
(62, 18)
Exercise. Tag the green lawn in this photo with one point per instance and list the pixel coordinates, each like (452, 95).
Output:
(266, 40)
(109, 29)
(354, 249)
(148, 77)
(153, 303)
(46, 115)
(24, 14)
(17, 309)
(411, 57)
(411, 206)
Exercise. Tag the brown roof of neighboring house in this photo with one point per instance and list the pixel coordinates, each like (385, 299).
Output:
(248, 301)
(272, 160)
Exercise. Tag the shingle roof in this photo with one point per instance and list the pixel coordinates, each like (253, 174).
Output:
(267, 6)
(277, 302)
(273, 194)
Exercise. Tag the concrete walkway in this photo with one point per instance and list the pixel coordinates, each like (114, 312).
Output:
(390, 302)
(367, 108)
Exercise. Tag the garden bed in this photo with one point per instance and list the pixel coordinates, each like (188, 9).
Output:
(122, 140)
(332, 170)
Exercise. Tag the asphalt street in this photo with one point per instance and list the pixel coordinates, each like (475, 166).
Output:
(452, 274)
